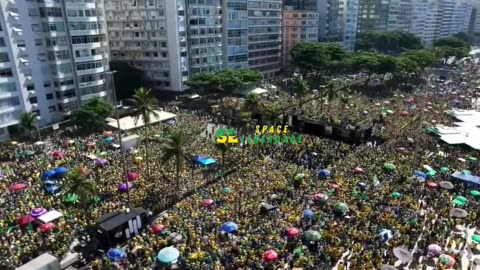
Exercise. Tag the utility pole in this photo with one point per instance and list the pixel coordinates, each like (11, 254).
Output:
(119, 133)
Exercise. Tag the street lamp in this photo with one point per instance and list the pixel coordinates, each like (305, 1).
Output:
(119, 130)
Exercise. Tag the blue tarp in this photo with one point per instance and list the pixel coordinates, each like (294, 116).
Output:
(52, 189)
(324, 173)
(466, 177)
(207, 161)
(48, 174)
(61, 170)
(199, 158)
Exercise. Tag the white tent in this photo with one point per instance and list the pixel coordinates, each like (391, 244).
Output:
(128, 123)
(258, 91)
(50, 216)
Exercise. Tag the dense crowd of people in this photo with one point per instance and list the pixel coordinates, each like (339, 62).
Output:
(309, 203)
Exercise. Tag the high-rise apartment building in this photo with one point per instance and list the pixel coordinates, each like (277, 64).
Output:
(152, 35)
(235, 32)
(298, 26)
(429, 20)
(54, 56)
(265, 36)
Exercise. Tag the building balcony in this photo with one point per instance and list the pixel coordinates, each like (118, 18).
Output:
(90, 71)
(90, 96)
(94, 83)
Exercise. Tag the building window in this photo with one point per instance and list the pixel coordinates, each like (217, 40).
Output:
(47, 84)
(6, 72)
(30, 87)
(2, 42)
(33, 100)
(33, 12)
(4, 57)
(36, 28)
(8, 87)
(52, 108)
(38, 42)
(49, 96)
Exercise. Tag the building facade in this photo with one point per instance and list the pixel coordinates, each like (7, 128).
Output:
(235, 31)
(142, 35)
(265, 36)
(298, 26)
(54, 57)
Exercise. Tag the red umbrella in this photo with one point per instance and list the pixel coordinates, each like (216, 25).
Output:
(25, 220)
(17, 187)
(319, 196)
(132, 176)
(270, 255)
(292, 232)
(90, 144)
(404, 113)
(46, 227)
(358, 170)
(107, 133)
(58, 154)
(432, 185)
(157, 228)
(207, 202)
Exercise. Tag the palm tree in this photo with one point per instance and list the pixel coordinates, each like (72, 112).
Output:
(245, 120)
(345, 97)
(28, 122)
(274, 114)
(78, 184)
(301, 88)
(252, 102)
(173, 146)
(331, 93)
(144, 104)
(223, 148)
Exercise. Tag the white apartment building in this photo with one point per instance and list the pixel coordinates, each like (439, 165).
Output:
(265, 36)
(298, 26)
(474, 26)
(429, 20)
(151, 35)
(338, 21)
(53, 54)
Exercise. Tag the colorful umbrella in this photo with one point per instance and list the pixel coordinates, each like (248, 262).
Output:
(270, 256)
(476, 238)
(168, 255)
(457, 212)
(35, 213)
(48, 174)
(447, 260)
(157, 228)
(116, 254)
(24, 220)
(389, 166)
(46, 227)
(472, 159)
(17, 187)
(396, 195)
(386, 234)
(324, 173)
(341, 208)
(402, 254)
(227, 190)
(446, 185)
(431, 173)
(432, 185)
(466, 172)
(320, 197)
(292, 232)
(132, 176)
(70, 198)
(61, 170)
(475, 193)
(207, 202)
(444, 169)
(124, 187)
(358, 170)
(100, 162)
(229, 227)
(461, 198)
(420, 174)
(458, 203)
(308, 213)
(299, 176)
(434, 248)
(312, 235)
